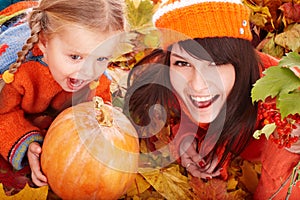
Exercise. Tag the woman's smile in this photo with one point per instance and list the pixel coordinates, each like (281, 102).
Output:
(203, 101)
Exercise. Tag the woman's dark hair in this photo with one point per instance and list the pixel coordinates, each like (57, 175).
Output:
(239, 112)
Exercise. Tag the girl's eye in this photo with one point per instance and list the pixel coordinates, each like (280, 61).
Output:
(75, 57)
(182, 64)
(102, 59)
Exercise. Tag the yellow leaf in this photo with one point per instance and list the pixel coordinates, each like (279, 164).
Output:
(249, 176)
(136, 3)
(139, 186)
(27, 193)
(169, 182)
(232, 183)
(258, 9)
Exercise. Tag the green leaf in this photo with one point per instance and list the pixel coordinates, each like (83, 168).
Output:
(291, 59)
(288, 104)
(139, 13)
(277, 80)
(267, 130)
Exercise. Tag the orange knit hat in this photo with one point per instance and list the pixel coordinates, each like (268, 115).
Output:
(203, 18)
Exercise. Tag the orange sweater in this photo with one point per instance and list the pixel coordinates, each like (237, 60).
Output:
(30, 103)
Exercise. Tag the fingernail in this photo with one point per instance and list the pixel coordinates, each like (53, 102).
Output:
(201, 163)
(208, 178)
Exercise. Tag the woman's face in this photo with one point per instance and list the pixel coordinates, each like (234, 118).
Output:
(76, 56)
(201, 85)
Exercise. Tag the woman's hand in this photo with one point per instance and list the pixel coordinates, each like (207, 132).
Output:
(196, 165)
(33, 154)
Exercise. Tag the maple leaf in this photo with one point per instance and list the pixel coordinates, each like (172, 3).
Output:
(139, 186)
(277, 80)
(249, 177)
(13, 180)
(169, 182)
(291, 11)
(27, 193)
(139, 13)
(289, 104)
(215, 189)
(291, 59)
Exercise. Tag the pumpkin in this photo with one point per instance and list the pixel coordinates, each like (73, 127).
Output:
(90, 151)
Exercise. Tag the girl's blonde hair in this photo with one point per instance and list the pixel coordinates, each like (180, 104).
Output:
(49, 15)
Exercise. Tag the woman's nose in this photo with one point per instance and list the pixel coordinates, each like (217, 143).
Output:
(198, 80)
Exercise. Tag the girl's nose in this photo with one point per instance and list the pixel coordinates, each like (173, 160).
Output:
(88, 68)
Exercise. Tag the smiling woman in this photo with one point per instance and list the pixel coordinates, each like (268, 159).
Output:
(200, 82)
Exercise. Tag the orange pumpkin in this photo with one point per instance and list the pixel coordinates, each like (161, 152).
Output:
(86, 155)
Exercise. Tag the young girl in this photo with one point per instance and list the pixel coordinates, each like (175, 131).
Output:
(203, 78)
(69, 48)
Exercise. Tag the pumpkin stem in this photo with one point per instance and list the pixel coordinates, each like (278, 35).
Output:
(103, 113)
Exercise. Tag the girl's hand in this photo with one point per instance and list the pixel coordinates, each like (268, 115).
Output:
(194, 164)
(33, 154)
(295, 148)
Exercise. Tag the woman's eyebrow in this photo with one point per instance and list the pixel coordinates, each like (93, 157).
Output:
(178, 56)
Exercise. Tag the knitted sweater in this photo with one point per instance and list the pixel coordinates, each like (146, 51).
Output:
(30, 103)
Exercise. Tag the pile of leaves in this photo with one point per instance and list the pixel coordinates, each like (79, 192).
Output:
(275, 25)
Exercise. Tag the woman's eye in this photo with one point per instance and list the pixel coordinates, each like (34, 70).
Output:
(182, 64)
(102, 59)
(75, 57)
(212, 64)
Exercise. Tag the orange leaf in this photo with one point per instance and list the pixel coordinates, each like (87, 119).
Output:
(214, 189)
(249, 176)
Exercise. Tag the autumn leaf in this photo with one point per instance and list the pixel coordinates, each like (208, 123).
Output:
(249, 176)
(291, 11)
(270, 47)
(289, 39)
(27, 193)
(139, 13)
(169, 182)
(215, 189)
(139, 186)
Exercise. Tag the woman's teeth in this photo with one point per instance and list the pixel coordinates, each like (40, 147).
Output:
(201, 99)
(203, 102)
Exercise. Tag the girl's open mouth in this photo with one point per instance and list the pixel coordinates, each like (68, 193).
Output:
(75, 84)
(203, 102)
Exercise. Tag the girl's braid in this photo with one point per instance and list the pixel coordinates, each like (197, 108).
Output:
(35, 23)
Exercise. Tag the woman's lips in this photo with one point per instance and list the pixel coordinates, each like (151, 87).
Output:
(75, 84)
(203, 102)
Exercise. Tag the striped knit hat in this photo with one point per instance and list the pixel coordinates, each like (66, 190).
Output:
(204, 18)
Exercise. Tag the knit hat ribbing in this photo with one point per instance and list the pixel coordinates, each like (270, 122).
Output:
(204, 18)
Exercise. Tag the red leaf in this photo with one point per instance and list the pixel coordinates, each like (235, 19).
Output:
(291, 11)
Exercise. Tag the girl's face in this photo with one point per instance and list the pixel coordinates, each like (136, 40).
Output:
(76, 56)
(201, 85)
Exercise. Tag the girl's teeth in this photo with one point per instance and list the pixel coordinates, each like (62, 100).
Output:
(201, 99)
(76, 82)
